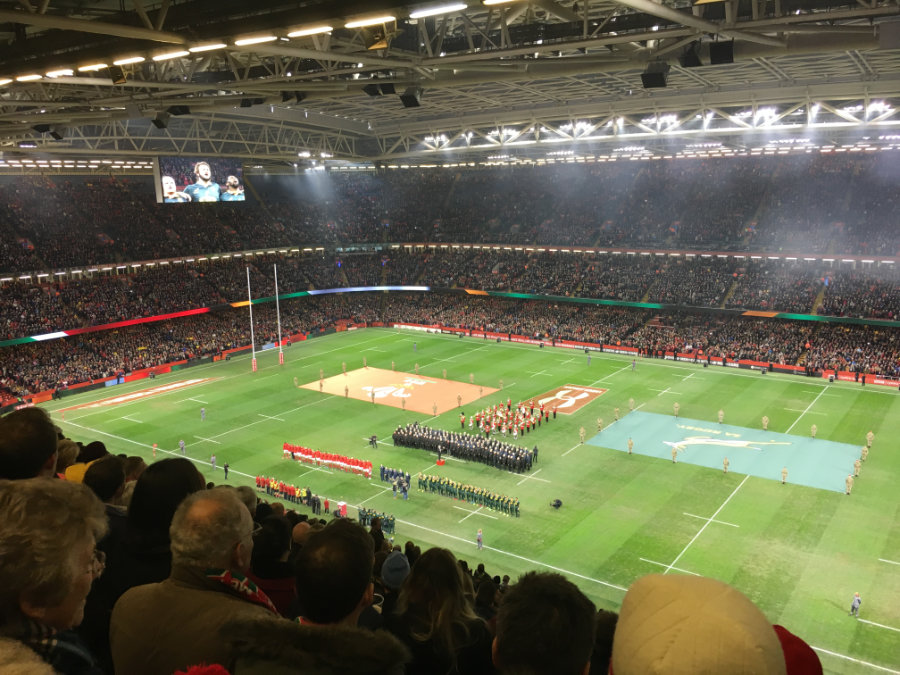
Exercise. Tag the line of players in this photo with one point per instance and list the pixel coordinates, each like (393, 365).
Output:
(469, 493)
(361, 467)
(492, 452)
(291, 493)
(506, 420)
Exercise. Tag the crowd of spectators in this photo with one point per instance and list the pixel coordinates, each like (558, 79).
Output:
(37, 308)
(811, 203)
(40, 366)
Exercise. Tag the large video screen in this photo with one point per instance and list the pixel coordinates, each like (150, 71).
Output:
(183, 180)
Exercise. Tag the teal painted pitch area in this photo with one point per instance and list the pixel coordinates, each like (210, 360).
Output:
(815, 463)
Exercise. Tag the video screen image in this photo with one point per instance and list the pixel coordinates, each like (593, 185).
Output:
(184, 180)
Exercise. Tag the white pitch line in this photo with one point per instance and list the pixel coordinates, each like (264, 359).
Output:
(542, 372)
(207, 439)
(532, 477)
(606, 377)
(721, 522)
(880, 625)
(664, 391)
(269, 417)
(516, 556)
(299, 407)
(570, 450)
(706, 524)
(688, 377)
(850, 658)
(476, 512)
(677, 569)
(197, 400)
(805, 411)
(130, 419)
(174, 453)
(892, 562)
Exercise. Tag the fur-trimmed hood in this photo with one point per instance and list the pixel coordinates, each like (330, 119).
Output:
(17, 658)
(277, 646)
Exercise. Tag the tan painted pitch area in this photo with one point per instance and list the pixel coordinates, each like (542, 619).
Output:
(391, 388)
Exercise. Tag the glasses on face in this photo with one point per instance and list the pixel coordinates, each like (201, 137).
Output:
(257, 528)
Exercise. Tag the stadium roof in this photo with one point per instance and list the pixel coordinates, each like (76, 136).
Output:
(519, 80)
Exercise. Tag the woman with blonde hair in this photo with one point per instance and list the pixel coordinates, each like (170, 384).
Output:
(48, 562)
(435, 619)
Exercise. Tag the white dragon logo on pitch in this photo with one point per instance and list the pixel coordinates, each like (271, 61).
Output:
(563, 395)
(395, 391)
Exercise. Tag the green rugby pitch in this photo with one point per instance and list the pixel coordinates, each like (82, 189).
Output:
(799, 552)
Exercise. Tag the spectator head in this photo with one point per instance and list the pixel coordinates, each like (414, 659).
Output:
(93, 451)
(272, 542)
(278, 509)
(395, 570)
(300, 532)
(603, 642)
(376, 524)
(27, 444)
(545, 624)
(334, 573)
(47, 536)
(438, 592)
(248, 496)
(134, 467)
(212, 529)
(67, 454)
(686, 624)
(159, 491)
(106, 477)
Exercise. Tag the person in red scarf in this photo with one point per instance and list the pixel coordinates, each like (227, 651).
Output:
(163, 627)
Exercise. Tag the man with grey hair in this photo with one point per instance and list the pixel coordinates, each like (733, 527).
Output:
(169, 626)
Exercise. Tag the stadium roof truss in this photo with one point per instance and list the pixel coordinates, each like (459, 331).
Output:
(523, 80)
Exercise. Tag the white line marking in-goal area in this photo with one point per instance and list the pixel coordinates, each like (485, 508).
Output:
(805, 411)
(706, 524)
(850, 658)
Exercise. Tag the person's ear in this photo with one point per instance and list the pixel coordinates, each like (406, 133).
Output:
(31, 610)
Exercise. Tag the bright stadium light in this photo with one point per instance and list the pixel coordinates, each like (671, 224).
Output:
(373, 21)
(434, 11)
(315, 30)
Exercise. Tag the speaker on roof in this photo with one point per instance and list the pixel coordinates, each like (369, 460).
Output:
(721, 52)
(161, 121)
(690, 58)
(179, 110)
(656, 75)
(411, 97)
(116, 74)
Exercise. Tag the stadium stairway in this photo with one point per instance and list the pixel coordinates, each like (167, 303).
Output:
(820, 299)
(729, 293)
